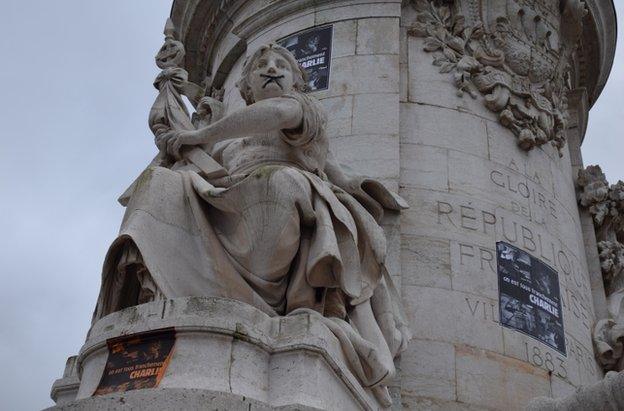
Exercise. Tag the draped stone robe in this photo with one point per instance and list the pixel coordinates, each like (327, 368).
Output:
(280, 237)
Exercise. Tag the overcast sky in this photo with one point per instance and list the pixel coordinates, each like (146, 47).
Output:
(77, 87)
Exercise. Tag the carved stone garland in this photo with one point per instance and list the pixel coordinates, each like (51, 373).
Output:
(499, 61)
(606, 205)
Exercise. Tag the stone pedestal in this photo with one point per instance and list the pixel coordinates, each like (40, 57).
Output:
(227, 355)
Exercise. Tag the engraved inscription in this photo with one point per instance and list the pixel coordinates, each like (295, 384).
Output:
(575, 292)
(520, 187)
(546, 359)
(466, 217)
(469, 253)
(483, 309)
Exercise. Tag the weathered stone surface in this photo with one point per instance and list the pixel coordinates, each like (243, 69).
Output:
(345, 35)
(437, 127)
(426, 262)
(429, 370)
(363, 74)
(375, 153)
(340, 123)
(562, 368)
(172, 399)
(473, 270)
(357, 9)
(493, 381)
(375, 113)
(607, 394)
(535, 164)
(290, 24)
(64, 389)
(415, 403)
(426, 168)
(450, 318)
(378, 36)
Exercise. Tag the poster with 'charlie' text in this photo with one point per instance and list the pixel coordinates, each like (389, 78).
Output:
(529, 296)
(312, 49)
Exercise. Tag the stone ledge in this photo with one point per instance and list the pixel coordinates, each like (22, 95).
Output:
(65, 388)
(226, 346)
(174, 399)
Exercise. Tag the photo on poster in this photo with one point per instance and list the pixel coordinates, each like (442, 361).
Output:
(312, 49)
(529, 296)
(136, 361)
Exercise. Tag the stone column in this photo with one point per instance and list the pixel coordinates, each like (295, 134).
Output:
(476, 172)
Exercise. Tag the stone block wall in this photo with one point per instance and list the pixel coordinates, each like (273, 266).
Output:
(470, 185)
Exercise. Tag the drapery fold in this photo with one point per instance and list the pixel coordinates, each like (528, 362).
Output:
(281, 239)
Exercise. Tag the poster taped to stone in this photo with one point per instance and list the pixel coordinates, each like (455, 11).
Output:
(312, 49)
(529, 296)
(136, 361)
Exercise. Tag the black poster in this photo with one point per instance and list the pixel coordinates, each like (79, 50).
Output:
(529, 296)
(312, 49)
(136, 361)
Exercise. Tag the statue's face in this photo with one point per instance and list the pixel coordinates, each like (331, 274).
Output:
(271, 76)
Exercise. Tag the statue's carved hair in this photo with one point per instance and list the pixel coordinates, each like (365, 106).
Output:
(300, 77)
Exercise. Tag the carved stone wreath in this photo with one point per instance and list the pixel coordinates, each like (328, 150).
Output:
(499, 62)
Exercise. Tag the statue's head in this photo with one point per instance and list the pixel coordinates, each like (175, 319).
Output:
(271, 71)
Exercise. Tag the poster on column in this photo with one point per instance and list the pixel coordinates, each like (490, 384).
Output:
(136, 361)
(529, 296)
(312, 49)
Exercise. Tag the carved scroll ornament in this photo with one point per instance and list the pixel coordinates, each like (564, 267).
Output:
(514, 58)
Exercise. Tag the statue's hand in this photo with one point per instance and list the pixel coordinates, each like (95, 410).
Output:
(161, 134)
(176, 139)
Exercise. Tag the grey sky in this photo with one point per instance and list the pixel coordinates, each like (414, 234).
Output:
(77, 87)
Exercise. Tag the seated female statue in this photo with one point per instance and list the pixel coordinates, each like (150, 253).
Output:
(287, 231)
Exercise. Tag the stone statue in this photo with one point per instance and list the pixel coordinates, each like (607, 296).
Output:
(605, 204)
(252, 206)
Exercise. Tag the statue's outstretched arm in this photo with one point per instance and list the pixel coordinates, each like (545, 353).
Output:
(263, 116)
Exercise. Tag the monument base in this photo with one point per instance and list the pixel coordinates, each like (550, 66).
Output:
(173, 399)
(226, 354)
